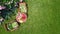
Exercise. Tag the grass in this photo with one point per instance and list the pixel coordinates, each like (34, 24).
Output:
(44, 18)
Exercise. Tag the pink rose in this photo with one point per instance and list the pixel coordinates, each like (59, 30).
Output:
(2, 7)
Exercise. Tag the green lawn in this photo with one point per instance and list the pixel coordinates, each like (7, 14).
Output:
(43, 18)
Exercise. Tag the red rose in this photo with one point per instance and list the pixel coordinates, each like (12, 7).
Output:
(21, 17)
